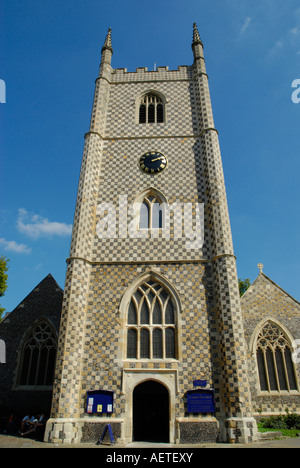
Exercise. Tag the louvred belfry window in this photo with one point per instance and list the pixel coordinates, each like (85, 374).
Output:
(151, 109)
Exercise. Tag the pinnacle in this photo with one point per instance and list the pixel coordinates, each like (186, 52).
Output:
(107, 43)
(196, 36)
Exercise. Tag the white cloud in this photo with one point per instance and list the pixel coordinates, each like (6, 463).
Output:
(12, 246)
(275, 50)
(35, 226)
(295, 31)
(288, 42)
(246, 25)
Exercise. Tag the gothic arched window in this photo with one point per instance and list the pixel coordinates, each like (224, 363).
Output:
(38, 356)
(151, 109)
(151, 323)
(151, 212)
(274, 360)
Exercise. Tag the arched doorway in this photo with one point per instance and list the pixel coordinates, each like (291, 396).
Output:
(151, 412)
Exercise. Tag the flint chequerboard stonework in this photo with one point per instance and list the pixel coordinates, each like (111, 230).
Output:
(145, 316)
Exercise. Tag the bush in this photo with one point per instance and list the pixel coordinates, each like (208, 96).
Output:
(290, 421)
(293, 421)
(274, 422)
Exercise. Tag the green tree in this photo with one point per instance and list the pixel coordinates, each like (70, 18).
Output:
(243, 285)
(3, 279)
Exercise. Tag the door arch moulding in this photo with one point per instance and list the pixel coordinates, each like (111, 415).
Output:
(132, 378)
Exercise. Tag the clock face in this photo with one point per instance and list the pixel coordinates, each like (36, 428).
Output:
(153, 162)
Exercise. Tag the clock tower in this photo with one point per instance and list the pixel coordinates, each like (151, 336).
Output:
(151, 303)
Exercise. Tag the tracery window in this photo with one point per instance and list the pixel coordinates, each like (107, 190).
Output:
(38, 356)
(274, 360)
(151, 109)
(151, 323)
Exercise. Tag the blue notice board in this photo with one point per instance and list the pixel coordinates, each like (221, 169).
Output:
(100, 401)
(201, 401)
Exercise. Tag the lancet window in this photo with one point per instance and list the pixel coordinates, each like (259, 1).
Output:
(151, 212)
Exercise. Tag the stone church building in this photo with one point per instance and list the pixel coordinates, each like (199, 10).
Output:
(154, 339)
(271, 320)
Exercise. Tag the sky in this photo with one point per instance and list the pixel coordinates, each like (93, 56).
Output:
(50, 55)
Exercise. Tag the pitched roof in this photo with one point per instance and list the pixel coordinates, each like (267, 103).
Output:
(261, 282)
(43, 293)
(265, 298)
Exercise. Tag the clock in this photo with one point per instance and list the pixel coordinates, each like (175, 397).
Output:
(153, 162)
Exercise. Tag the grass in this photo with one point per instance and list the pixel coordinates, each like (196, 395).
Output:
(284, 432)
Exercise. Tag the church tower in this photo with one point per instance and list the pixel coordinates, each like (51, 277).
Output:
(151, 338)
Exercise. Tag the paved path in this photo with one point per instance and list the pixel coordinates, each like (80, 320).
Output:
(7, 441)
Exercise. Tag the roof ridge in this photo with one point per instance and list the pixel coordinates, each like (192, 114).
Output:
(261, 273)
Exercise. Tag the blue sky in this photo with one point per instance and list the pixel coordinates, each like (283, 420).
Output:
(50, 53)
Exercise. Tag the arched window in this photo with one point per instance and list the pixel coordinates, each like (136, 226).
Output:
(274, 360)
(151, 323)
(38, 356)
(151, 212)
(151, 109)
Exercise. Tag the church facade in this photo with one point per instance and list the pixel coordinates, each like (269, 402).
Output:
(151, 314)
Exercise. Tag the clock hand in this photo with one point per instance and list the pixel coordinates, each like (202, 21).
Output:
(156, 159)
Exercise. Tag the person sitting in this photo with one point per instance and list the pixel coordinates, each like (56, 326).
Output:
(35, 423)
(26, 423)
